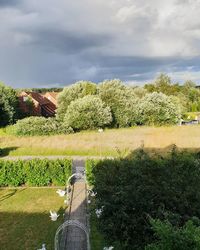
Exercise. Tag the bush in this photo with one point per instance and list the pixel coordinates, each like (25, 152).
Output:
(122, 101)
(39, 126)
(136, 188)
(158, 109)
(72, 93)
(8, 105)
(36, 172)
(11, 173)
(169, 237)
(88, 112)
(89, 169)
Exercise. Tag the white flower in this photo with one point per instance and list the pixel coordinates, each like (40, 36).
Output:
(99, 212)
(54, 216)
(89, 201)
(43, 247)
(92, 193)
(100, 130)
(108, 248)
(61, 192)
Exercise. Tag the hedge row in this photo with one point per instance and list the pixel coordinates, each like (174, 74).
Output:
(36, 172)
(133, 190)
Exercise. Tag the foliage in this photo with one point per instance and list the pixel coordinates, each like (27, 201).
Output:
(34, 172)
(39, 90)
(8, 105)
(173, 238)
(121, 100)
(73, 92)
(33, 125)
(164, 85)
(88, 112)
(158, 109)
(138, 187)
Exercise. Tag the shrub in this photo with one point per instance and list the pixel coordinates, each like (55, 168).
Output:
(89, 168)
(169, 237)
(36, 172)
(72, 93)
(122, 101)
(39, 126)
(8, 105)
(11, 173)
(158, 109)
(88, 112)
(136, 188)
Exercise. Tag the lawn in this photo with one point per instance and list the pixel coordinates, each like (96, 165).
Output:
(108, 143)
(24, 217)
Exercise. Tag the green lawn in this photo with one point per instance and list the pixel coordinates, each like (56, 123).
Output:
(24, 218)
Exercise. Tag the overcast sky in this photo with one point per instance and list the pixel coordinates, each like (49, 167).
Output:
(51, 43)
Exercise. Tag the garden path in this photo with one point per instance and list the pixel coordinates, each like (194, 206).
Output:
(76, 238)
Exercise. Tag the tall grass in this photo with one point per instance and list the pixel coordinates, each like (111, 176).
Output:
(110, 142)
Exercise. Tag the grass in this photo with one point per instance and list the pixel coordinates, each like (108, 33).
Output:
(24, 217)
(97, 240)
(108, 143)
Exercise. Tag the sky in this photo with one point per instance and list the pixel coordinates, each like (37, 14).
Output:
(52, 43)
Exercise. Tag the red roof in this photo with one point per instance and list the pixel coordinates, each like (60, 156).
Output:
(38, 97)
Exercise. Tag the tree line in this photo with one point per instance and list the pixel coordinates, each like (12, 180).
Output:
(112, 103)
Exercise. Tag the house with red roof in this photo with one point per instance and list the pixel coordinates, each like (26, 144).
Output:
(37, 104)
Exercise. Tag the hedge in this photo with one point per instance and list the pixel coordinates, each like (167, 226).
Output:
(90, 164)
(134, 189)
(35, 172)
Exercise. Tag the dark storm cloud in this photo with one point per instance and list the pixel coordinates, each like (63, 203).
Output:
(66, 41)
(6, 3)
(48, 42)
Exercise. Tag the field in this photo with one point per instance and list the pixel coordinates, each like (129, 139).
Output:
(108, 143)
(24, 217)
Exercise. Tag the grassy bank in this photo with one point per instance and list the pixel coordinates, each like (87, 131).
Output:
(109, 142)
(24, 217)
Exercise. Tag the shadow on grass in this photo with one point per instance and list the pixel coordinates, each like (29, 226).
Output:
(6, 151)
(11, 193)
(161, 151)
(22, 230)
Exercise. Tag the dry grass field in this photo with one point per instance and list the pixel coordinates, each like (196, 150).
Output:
(108, 143)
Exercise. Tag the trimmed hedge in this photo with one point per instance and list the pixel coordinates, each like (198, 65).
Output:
(90, 165)
(134, 189)
(35, 172)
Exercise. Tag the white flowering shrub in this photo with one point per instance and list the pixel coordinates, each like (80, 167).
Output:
(88, 112)
(158, 109)
(34, 125)
(122, 101)
(72, 93)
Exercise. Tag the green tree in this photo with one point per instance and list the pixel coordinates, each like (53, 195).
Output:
(8, 105)
(73, 92)
(173, 238)
(122, 101)
(88, 112)
(158, 109)
(164, 85)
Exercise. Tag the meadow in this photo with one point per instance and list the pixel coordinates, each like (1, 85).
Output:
(111, 142)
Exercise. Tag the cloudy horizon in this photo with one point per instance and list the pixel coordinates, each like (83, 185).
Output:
(54, 43)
